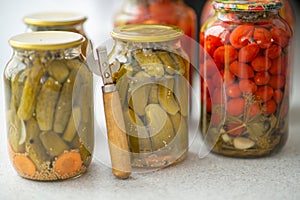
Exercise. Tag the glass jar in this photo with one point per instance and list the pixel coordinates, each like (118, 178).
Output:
(172, 12)
(49, 106)
(151, 75)
(57, 21)
(286, 12)
(245, 69)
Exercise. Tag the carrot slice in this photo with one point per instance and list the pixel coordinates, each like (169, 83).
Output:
(24, 165)
(68, 163)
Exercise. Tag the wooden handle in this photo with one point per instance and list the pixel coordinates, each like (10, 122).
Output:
(118, 144)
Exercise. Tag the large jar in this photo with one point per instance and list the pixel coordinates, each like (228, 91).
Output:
(245, 69)
(286, 12)
(151, 74)
(172, 12)
(49, 106)
(57, 21)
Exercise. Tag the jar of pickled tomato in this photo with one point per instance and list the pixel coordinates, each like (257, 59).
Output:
(245, 78)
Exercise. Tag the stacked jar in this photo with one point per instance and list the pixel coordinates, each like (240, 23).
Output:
(57, 21)
(172, 12)
(245, 70)
(48, 90)
(152, 81)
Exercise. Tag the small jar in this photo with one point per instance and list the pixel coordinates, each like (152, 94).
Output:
(57, 21)
(172, 12)
(151, 75)
(245, 69)
(49, 106)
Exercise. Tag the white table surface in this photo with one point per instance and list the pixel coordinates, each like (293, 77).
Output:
(211, 177)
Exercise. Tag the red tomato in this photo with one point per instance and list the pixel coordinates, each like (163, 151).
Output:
(248, 53)
(217, 79)
(235, 129)
(216, 119)
(212, 43)
(241, 70)
(263, 37)
(236, 107)
(261, 78)
(225, 54)
(277, 82)
(247, 86)
(277, 96)
(253, 110)
(228, 77)
(273, 52)
(264, 93)
(233, 91)
(278, 66)
(209, 68)
(217, 97)
(280, 36)
(261, 63)
(241, 35)
(270, 107)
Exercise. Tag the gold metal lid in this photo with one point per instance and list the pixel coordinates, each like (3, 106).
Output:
(54, 19)
(147, 33)
(46, 40)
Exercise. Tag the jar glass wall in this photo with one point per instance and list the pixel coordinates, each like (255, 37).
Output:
(151, 75)
(49, 106)
(245, 72)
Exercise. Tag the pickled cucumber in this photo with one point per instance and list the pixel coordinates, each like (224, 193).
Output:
(58, 69)
(168, 61)
(160, 126)
(150, 63)
(46, 102)
(181, 90)
(139, 92)
(84, 100)
(31, 90)
(153, 96)
(64, 104)
(138, 135)
(16, 132)
(182, 64)
(33, 144)
(73, 124)
(181, 130)
(53, 143)
(17, 86)
(166, 96)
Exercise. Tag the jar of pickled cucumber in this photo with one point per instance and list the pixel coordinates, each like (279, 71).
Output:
(151, 73)
(57, 21)
(49, 106)
(245, 72)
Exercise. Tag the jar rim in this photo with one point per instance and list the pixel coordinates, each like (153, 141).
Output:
(147, 33)
(247, 5)
(54, 19)
(46, 40)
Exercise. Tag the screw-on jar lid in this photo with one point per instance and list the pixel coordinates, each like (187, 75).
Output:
(247, 5)
(147, 33)
(46, 40)
(54, 19)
